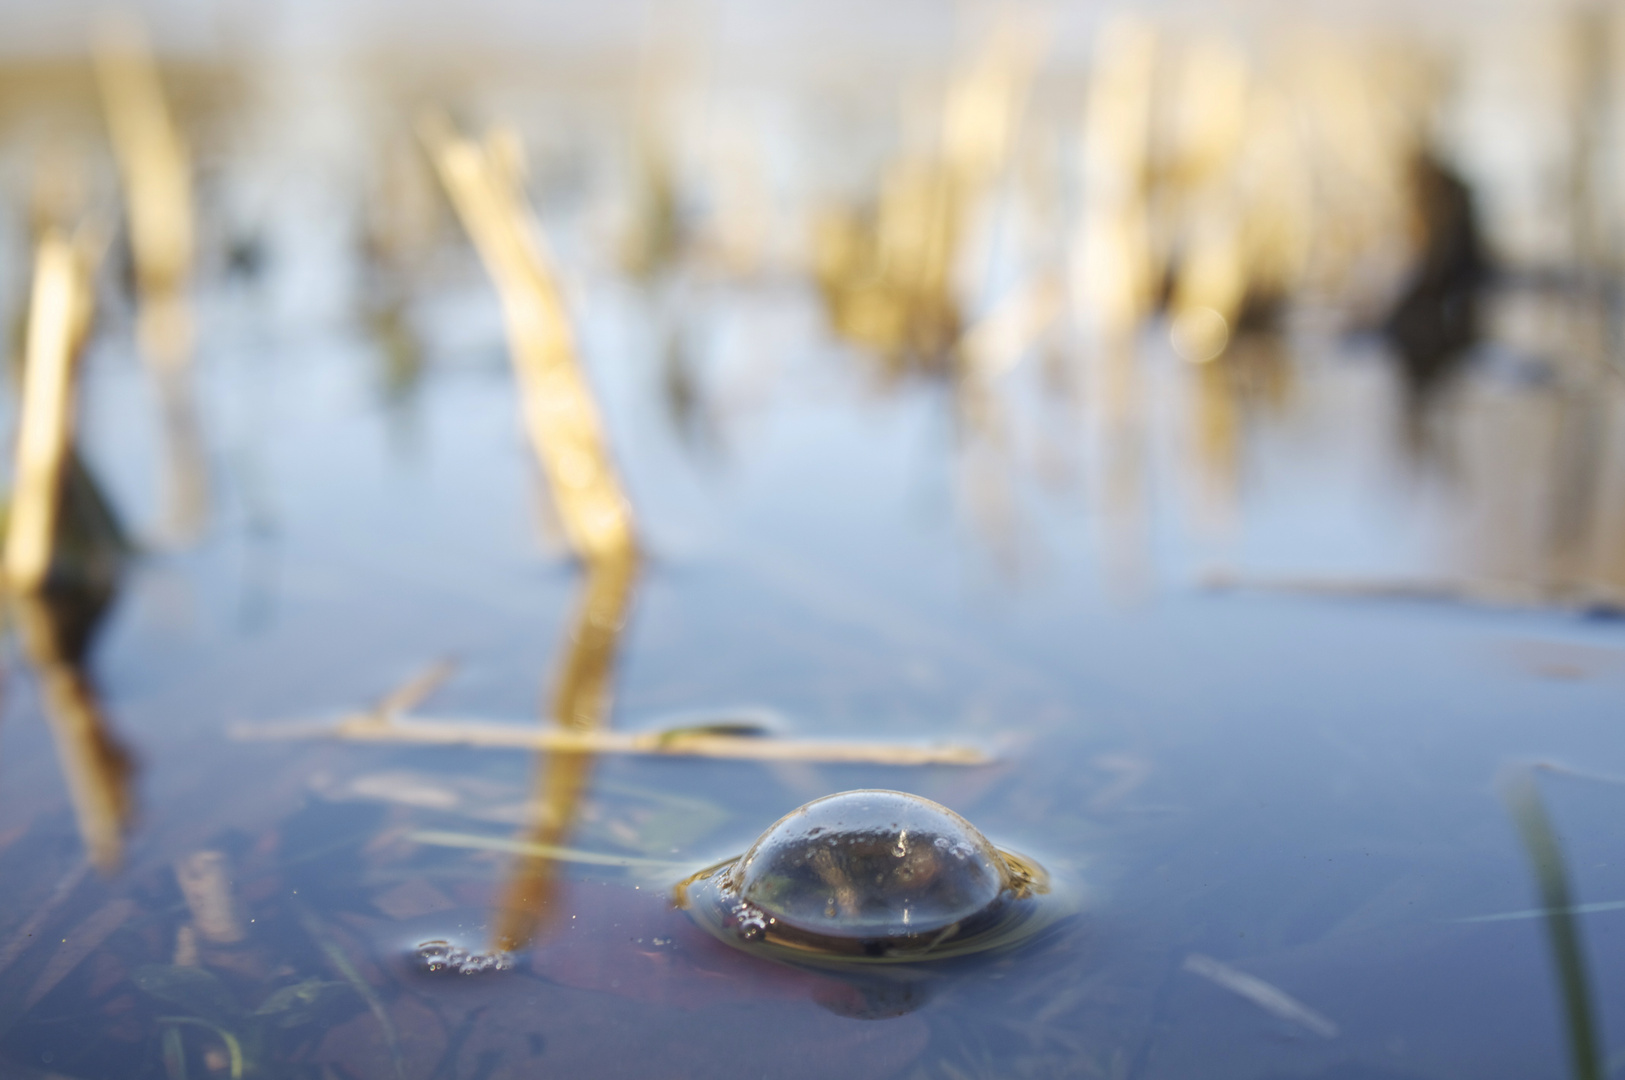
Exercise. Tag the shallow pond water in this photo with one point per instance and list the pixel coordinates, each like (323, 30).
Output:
(1270, 711)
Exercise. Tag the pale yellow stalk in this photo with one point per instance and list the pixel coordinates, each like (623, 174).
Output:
(45, 420)
(560, 414)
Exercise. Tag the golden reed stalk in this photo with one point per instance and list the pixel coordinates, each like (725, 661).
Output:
(561, 417)
(58, 315)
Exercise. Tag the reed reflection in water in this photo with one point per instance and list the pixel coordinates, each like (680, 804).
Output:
(64, 550)
(1236, 251)
(581, 701)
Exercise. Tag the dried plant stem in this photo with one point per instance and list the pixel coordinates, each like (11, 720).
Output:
(26, 933)
(45, 421)
(533, 849)
(435, 732)
(80, 942)
(414, 690)
(560, 414)
(1482, 592)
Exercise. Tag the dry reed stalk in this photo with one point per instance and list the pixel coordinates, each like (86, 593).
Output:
(205, 881)
(24, 935)
(997, 342)
(1114, 266)
(560, 414)
(410, 694)
(889, 282)
(80, 942)
(57, 317)
(155, 166)
(365, 727)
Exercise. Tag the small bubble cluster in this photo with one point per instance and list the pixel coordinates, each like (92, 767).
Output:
(750, 922)
(441, 957)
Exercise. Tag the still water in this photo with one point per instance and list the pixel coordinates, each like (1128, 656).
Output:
(1261, 662)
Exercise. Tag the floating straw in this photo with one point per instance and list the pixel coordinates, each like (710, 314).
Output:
(560, 415)
(365, 727)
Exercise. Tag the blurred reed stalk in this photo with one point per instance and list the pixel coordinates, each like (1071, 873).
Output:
(58, 319)
(1113, 272)
(156, 169)
(423, 731)
(52, 630)
(485, 183)
(561, 417)
(888, 277)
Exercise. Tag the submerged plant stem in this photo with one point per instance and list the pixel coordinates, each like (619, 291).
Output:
(532, 849)
(366, 728)
(1563, 931)
(174, 1053)
(341, 963)
(234, 1049)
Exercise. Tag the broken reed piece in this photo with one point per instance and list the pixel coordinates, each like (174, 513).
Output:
(205, 881)
(58, 315)
(410, 694)
(561, 417)
(155, 166)
(365, 727)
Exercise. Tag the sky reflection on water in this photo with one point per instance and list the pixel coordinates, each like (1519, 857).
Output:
(1251, 614)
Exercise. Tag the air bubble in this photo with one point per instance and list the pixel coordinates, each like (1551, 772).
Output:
(440, 957)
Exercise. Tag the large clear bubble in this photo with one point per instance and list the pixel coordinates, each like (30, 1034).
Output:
(866, 864)
(869, 874)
